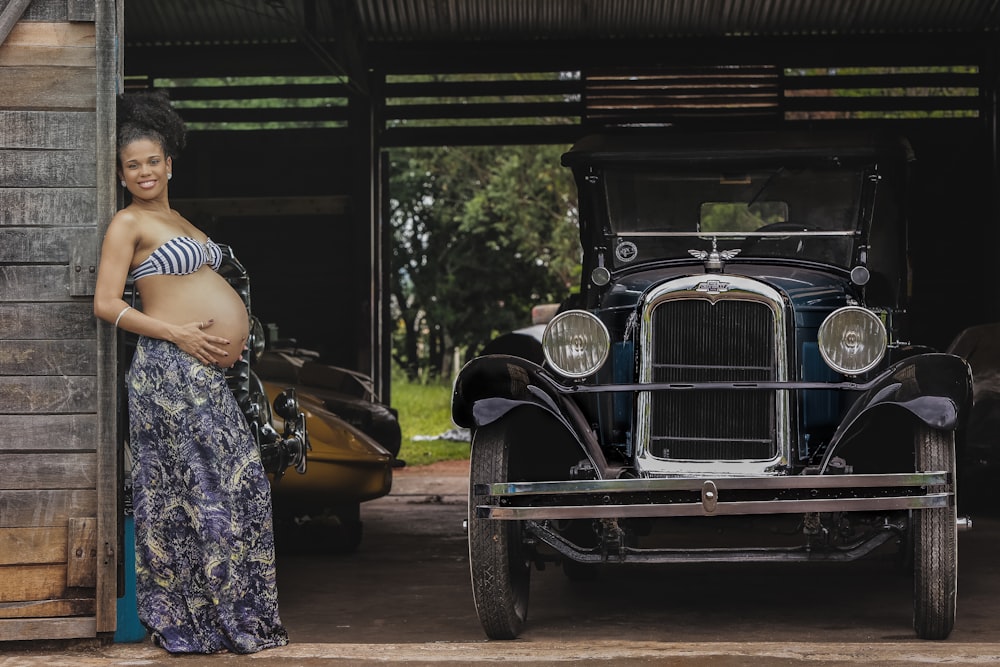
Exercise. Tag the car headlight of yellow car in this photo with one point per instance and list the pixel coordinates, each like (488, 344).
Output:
(576, 343)
(852, 340)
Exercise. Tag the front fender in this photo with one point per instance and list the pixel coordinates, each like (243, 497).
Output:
(490, 386)
(934, 388)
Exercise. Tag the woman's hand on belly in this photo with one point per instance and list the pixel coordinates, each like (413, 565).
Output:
(206, 348)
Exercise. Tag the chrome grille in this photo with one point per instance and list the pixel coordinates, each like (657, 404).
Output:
(703, 340)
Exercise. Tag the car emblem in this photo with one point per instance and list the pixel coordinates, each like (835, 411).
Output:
(713, 287)
(626, 251)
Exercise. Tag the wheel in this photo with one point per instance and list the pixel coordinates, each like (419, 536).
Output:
(501, 570)
(935, 543)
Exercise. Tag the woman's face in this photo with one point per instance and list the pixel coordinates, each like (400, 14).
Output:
(144, 168)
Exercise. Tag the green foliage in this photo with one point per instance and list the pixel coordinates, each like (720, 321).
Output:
(425, 409)
(481, 235)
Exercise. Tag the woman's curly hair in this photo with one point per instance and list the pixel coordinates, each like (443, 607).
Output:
(148, 115)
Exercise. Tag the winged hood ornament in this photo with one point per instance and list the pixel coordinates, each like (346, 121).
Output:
(714, 259)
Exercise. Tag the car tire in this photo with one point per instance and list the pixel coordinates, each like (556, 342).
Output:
(935, 542)
(500, 568)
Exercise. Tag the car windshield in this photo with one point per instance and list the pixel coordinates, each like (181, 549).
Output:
(808, 213)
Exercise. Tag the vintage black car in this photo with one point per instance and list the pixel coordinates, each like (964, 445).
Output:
(736, 364)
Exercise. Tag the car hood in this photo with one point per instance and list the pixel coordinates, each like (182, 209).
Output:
(807, 289)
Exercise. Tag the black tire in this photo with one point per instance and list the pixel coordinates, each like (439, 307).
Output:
(500, 568)
(935, 543)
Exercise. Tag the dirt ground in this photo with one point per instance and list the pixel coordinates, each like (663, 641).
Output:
(404, 599)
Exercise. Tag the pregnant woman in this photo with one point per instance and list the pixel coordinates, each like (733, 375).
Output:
(205, 572)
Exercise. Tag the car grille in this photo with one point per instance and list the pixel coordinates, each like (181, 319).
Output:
(696, 340)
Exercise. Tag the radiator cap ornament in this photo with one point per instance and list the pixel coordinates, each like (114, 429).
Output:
(714, 259)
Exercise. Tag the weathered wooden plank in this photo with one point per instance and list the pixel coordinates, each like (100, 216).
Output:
(32, 582)
(109, 19)
(51, 207)
(46, 10)
(58, 130)
(37, 509)
(48, 628)
(31, 244)
(47, 321)
(51, 433)
(49, 471)
(74, 35)
(80, 10)
(33, 283)
(41, 168)
(35, 546)
(47, 357)
(48, 608)
(84, 248)
(30, 87)
(45, 395)
(81, 553)
(47, 56)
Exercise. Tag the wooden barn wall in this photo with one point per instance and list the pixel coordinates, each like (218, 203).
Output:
(58, 518)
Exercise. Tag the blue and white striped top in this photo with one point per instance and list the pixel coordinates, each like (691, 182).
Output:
(179, 256)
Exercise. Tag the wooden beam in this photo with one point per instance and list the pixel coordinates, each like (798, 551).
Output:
(47, 628)
(10, 15)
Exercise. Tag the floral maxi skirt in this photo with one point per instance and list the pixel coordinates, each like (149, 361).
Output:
(205, 568)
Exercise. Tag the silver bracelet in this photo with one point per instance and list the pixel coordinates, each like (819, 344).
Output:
(119, 318)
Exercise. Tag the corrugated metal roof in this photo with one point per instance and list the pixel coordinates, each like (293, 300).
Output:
(248, 21)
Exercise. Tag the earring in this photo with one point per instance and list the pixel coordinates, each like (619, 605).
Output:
(123, 182)
(170, 175)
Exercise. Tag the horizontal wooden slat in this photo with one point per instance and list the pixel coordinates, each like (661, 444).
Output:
(872, 103)
(47, 321)
(38, 509)
(47, 608)
(51, 433)
(48, 394)
(48, 88)
(41, 245)
(533, 87)
(47, 357)
(292, 91)
(888, 80)
(33, 283)
(58, 130)
(48, 628)
(38, 33)
(46, 11)
(49, 471)
(499, 110)
(262, 115)
(32, 582)
(48, 168)
(50, 207)
(50, 45)
(24, 546)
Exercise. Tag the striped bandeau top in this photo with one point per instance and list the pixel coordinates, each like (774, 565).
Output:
(179, 256)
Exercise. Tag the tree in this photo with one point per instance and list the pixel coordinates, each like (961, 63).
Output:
(481, 234)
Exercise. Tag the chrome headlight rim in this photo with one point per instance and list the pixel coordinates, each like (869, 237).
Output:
(590, 332)
(878, 344)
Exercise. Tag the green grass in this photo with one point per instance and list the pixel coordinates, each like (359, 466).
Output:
(425, 409)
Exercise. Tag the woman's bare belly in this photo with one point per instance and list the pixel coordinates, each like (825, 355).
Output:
(201, 296)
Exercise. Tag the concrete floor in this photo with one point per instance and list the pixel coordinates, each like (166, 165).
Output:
(404, 599)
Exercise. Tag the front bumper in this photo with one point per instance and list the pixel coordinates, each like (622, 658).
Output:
(678, 497)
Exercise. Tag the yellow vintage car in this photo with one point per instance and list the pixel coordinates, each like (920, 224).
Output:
(319, 509)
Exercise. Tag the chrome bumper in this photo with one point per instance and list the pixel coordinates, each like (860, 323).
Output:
(675, 497)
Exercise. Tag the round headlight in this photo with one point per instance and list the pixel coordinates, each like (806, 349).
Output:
(258, 340)
(576, 343)
(852, 340)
